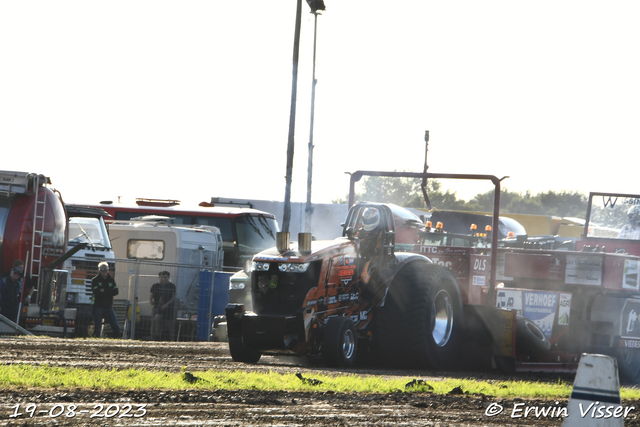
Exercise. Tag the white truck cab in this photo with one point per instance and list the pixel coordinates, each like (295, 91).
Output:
(86, 225)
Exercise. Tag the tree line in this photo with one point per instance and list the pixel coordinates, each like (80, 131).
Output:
(407, 192)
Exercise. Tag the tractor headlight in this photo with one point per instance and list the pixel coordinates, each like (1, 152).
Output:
(236, 286)
(260, 266)
(288, 267)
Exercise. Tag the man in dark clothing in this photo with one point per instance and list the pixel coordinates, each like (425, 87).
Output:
(104, 289)
(162, 297)
(10, 291)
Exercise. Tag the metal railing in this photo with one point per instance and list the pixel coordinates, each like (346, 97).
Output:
(201, 294)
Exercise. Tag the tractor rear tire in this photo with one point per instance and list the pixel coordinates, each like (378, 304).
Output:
(241, 352)
(421, 323)
(340, 343)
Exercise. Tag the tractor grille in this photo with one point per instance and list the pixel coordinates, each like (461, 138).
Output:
(278, 293)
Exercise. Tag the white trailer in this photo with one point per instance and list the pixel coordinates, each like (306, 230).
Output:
(153, 239)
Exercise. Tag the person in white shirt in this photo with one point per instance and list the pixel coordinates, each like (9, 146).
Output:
(631, 230)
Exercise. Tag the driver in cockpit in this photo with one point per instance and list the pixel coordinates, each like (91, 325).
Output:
(631, 230)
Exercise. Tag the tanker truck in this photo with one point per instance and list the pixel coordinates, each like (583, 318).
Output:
(33, 229)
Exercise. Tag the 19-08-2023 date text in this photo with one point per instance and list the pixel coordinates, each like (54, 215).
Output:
(71, 411)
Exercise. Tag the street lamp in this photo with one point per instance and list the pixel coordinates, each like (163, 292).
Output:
(315, 6)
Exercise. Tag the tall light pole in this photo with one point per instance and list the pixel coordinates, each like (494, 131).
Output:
(315, 7)
(286, 216)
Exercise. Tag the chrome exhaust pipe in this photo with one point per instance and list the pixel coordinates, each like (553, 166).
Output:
(282, 241)
(304, 243)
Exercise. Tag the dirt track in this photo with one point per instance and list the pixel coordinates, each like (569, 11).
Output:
(235, 408)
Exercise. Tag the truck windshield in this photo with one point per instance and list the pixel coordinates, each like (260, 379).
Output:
(614, 216)
(88, 230)
(256, 233)
(252, 234)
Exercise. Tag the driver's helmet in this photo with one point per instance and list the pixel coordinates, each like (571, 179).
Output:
(370, 219)
(634, 215)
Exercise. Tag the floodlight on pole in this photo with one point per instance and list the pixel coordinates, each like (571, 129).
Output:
(315, 6)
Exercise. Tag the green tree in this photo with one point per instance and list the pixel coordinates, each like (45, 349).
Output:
(564, 203)
(407, 192)
(404, 192)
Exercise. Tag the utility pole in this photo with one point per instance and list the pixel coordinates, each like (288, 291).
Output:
(309, 209)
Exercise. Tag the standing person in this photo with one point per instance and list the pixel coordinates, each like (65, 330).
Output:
(104, 288)
(10, 292)
(27, 283)
(162, 297)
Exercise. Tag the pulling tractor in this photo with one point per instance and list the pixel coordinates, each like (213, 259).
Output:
(407, 295)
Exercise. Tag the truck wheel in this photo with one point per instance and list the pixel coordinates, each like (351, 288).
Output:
(530, 339)
(421, 322)
(340, 342)
(240, 352)
(628, 364)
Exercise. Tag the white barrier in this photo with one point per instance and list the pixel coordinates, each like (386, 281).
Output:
(595, 398)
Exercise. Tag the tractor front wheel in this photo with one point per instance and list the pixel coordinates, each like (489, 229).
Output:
(241, 352)
(340, 342)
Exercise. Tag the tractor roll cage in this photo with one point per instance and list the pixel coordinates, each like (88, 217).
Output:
(357, 175)
(387, 226)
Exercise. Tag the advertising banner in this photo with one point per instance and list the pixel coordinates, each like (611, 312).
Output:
(509, 300)
(540, 307)
(564, 309)
(583, 270)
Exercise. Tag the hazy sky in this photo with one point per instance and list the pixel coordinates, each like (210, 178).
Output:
(190, 99)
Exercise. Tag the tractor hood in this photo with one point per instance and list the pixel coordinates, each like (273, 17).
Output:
(319, 249)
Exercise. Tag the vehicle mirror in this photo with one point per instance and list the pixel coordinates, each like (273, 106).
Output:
(350, 233)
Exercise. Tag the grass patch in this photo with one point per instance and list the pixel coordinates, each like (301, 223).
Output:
(26, 376)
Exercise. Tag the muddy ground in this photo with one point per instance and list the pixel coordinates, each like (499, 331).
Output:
(245, 407)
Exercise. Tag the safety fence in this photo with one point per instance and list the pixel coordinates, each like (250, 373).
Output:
(201, 295)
